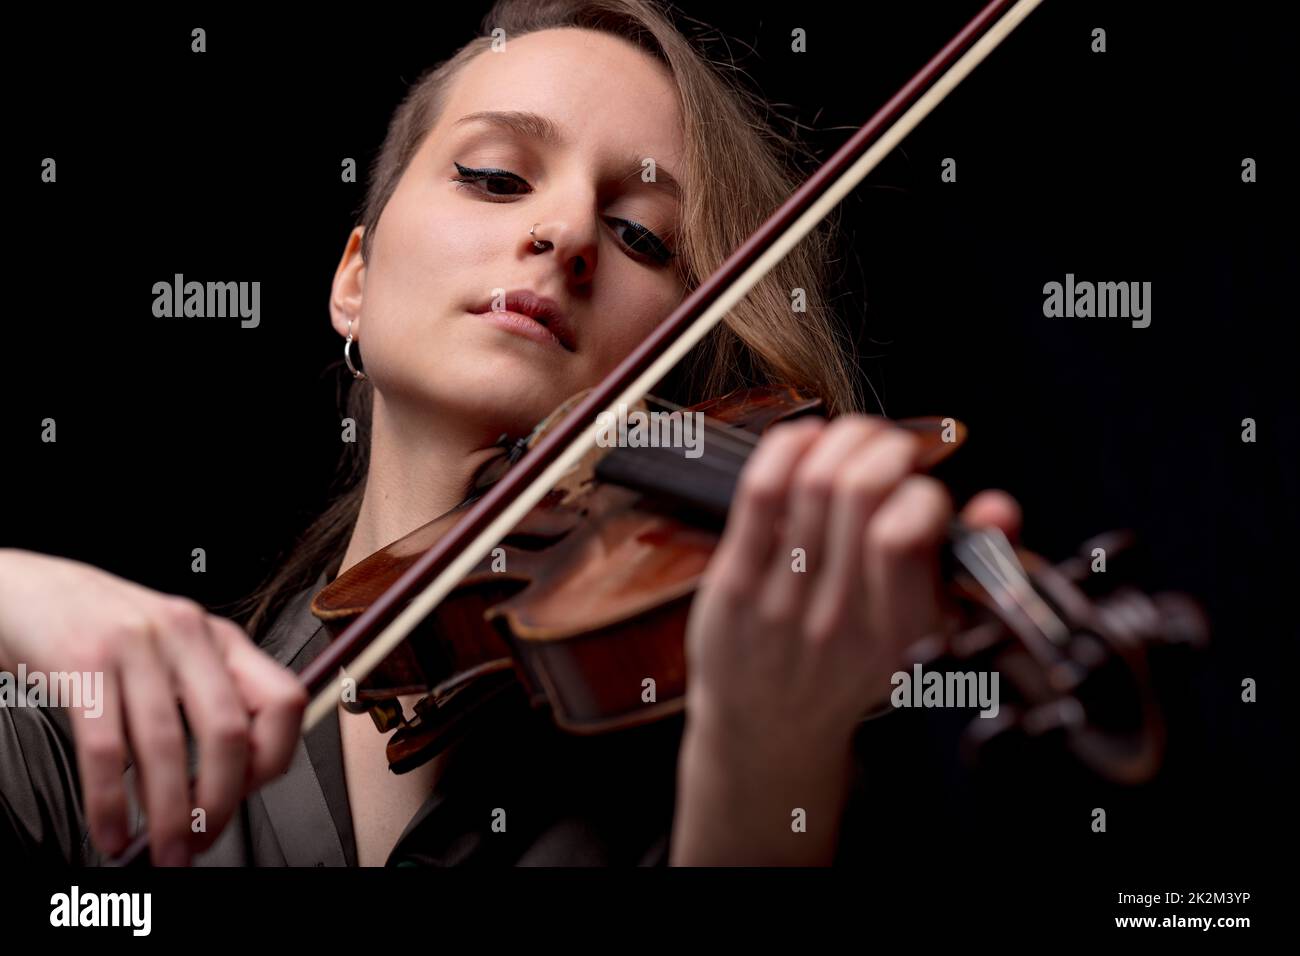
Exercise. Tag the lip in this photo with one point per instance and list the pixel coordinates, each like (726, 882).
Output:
(534, 316)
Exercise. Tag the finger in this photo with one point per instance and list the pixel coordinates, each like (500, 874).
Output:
(158, 742)
(994, 509)
(759, 502)
(866, 481)
(100, 743)
(810, 497)
(217, 716)
(273, 697)
(901, 558)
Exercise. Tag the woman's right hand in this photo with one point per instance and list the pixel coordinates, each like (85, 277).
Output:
(154, 651)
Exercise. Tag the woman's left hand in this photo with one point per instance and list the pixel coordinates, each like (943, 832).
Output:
(827, 572)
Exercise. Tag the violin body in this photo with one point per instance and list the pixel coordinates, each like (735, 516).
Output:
(582, 604)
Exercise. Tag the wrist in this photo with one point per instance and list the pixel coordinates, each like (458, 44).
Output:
(742, 804)
(6, 559)
(744, 750)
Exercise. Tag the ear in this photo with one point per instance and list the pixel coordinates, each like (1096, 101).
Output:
(349, 282)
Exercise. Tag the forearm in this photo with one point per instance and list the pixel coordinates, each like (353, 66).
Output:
(7, 558)
(759, 809)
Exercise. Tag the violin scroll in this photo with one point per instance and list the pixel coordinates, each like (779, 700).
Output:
(1075, 646)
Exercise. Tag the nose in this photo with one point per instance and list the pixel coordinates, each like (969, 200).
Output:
(572, 238)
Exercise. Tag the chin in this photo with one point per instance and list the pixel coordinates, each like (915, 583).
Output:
(508, 383)
(501, 394)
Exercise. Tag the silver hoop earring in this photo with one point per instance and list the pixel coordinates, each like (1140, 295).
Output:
(347, 355)
(539, 245)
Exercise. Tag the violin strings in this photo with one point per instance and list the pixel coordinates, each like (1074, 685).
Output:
(740, 441)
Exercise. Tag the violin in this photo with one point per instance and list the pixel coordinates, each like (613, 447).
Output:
(583, 606)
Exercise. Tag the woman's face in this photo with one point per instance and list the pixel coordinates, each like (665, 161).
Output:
(445, 249)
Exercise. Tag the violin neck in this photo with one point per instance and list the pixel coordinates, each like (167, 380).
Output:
(701, 479)
(705, 484)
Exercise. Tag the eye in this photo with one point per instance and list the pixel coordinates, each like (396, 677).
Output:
(503, 184)
(641, 240)
(495, 182)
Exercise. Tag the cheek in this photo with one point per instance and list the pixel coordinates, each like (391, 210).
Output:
(422, 254)
(630, 326)
(432, 243)
(657, 302)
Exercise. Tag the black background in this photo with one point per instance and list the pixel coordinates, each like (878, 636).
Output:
(1122, 166)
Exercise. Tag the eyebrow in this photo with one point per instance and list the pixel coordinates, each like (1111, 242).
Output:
(542, 128)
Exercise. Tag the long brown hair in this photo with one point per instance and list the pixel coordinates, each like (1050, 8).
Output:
(762, 340)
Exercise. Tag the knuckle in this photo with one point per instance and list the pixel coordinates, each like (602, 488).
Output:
(896, 536)
(772, 612)
(293, 699)
(908, 435)
(95, 656)
(815, 482)
(933, 494)
(878, 466)
(737, 594)
(169, 825)
(913, 523)
(782, 439)
(229, 728)
(104, 804)
(860, 480)
(105, 749)
(794, 428)
(760, 488)
(779, 440)
(164, 740)
(223, 625)
(821, 630)
(858, 423)
(291, 696)
(900, 444)
(179, 616)
(122, 634)
(728, 573)
(722, 581)
(276, 759)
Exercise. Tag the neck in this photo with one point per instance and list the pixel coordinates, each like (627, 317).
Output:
(421, 466)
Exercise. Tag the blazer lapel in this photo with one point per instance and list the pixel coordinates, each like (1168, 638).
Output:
(295, 805)
(299, 816)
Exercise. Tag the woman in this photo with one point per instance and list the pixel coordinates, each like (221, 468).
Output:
(596, 159)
